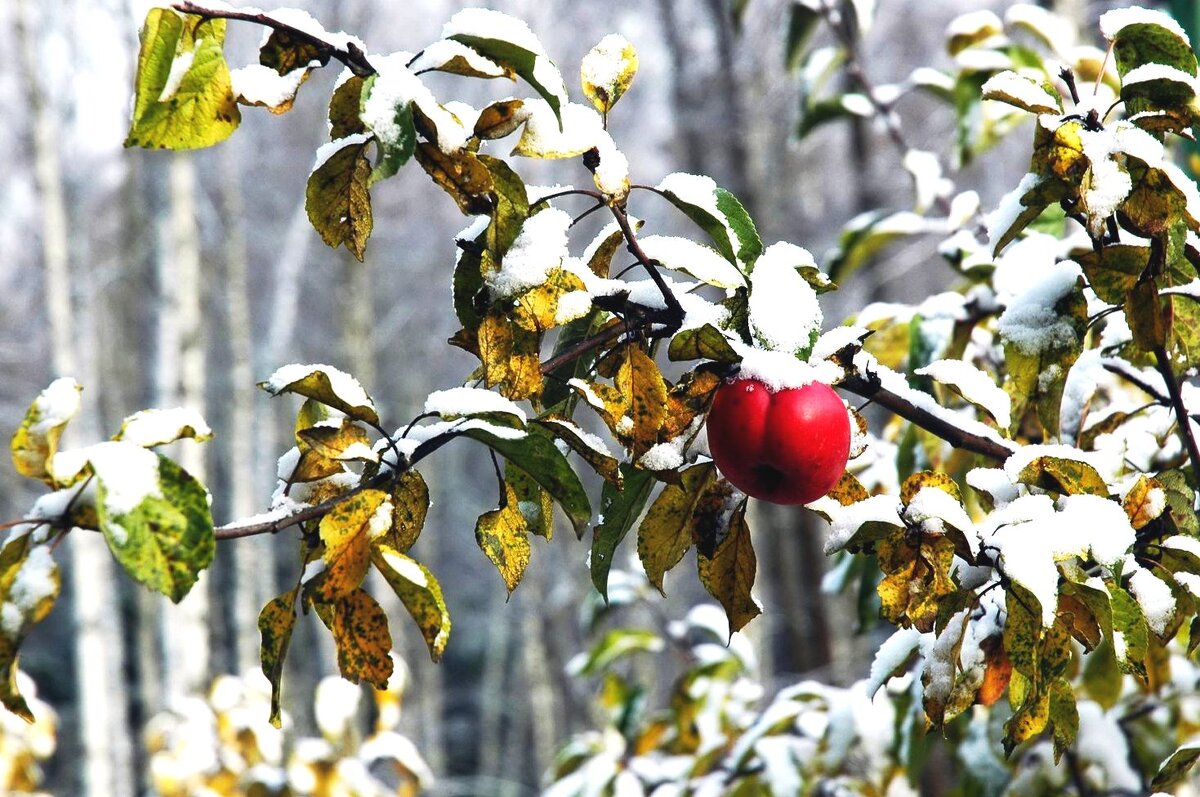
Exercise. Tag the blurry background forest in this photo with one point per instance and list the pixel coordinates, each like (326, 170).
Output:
(161, 279)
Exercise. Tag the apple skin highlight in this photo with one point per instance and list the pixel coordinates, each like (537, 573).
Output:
(787, 447)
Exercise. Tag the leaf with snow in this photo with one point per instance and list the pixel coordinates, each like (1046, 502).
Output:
(327, 385)
(420, 593)
(607, 71)
(1063, 476)
(588, 446)
(183, 97)
(392, 124)
(35, 442)
(346, 532)
(155, 516)
(458, 59)
(1140, 36)
(29, 586)
(865, 235)
(276, 622)
(717, 212)
(784, 314)
(510, 43)
(689, 257)
(559, 300)
(336, 197)
(973, 385)
(1022, 92)
(151, 428)
(1176, 767)
(263, 86)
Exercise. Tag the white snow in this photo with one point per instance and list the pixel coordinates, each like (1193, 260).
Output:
(405, 567)
(612, 175)
(335, 705)
(982, 59)
(458, 401)
(779, 370)
(56, 405)
(1001, 219)
(344, 386)
(836, 339)
(35, 581)
(784, 313)
(857, 104)
(592, 441)
(927, 177)
(1148, 72)
(974, 385)
(1030, 321)
(303, 21)
(440, 53)
(1154, 597)
(1180, 542)
(129, 472)
(890, 655)
(539, 248)
(381, 520)
(844, 521)
(698, 260)
(261, 85)
(973, 23)
(483, 23)
(331, 148)
(996, 483)
(395, 86)
(932, 508)
(1113, 22)
(179, 67)
(663, 456)
(1023, 456)
(542, 137)
(572, 305)
(604, 63)
(1009, 85)
(1102, 743)
(149, 428)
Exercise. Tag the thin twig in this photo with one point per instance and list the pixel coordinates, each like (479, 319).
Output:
(1137, 382)
(635, 248)
(959, 438)
(1163, 363)
(351, 56)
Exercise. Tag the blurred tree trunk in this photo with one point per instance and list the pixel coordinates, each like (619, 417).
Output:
(179, 372)
(493, 698)
(252, 557)
(103, 732)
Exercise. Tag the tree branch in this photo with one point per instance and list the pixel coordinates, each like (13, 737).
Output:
(635, 248)
(1163, 363)
(959, 438)
(351, 57)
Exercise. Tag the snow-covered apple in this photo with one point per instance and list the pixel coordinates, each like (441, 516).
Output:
(786, 446)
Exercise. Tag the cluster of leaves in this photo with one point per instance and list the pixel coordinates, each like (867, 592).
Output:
(716, 731)
(153, 514)
(223, 745)
(563, 332)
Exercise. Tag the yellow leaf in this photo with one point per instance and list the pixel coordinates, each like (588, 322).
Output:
(729, 574)
(420, 593)
(639, 379)
(347, 532)
(275, 624)
(504, 538)
(183, 97)
(688, 398)
(510, 357)
(917, 577)
(499, 119)
(410, 505)
(331, 442)
(29, 586)
(364, 645)
(461, 175)
(927, 478)
(607, 70)
(667, 530)
(538, 310)
(36, 440)
(1139, 503)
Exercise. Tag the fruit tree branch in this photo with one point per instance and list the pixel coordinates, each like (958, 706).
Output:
(959, 438)
(1163, 363)
(351, 56)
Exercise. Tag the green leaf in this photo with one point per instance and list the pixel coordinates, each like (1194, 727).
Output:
(702, 343)
(504, 539)
(183, 97)
(1173, 771)
(590, 448)
(165, 539)
(865, 236)
(1112, 270)
(276, 622)
(614, 646)
(392, 154)
(1102, 678)
(326, 385)
(536, 454)
(620, 508)
(420, 593)
(730, 226)
(534, 502)
(667, 532)
(1064, 716)
(345, 105)
(802, 21)
(337, 200)
(1130, 622)
(728, 574)
(1063, 476)
(29, 585)
(512, 205)
(1150, 43)
(534, 68)
(1180, 502)
(36, 441)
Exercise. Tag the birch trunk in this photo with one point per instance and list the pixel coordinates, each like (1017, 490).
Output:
(180, 381)
(104, 735)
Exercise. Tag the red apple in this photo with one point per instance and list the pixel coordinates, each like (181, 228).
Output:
(787, 447)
